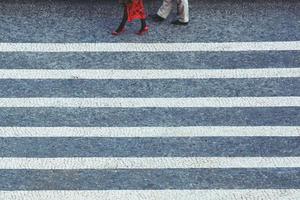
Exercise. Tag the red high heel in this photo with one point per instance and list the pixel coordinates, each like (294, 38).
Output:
(143, 31)
(115, 33)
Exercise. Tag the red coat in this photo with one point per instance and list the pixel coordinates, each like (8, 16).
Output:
(136, 10)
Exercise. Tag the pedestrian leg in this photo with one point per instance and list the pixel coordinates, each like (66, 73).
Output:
(183, 10)
(143, 24)
(165, 9)
(144, 28)
(121, 27)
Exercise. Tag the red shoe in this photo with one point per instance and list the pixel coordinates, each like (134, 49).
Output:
(143, 31)
(115, 33)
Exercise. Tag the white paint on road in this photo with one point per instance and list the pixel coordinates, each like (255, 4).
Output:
(148, 162)
(196, 102)
(149, 74)
(190, 131)
(219, 194)
(151, 47)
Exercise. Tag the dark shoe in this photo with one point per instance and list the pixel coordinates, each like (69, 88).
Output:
(177, 22)
(157, 18)
(143, 31)
(115, 33)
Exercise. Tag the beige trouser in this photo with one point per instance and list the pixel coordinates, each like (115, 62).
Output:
(182, 9)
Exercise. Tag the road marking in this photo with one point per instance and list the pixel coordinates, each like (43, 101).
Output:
(191, 131)
(149, 74)
(219, 194)
(151, 47)
(152, 102)
(148, 162)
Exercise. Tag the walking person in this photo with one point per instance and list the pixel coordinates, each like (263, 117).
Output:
(165, 10)
(133, 9)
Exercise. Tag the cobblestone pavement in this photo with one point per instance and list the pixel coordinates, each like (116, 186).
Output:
(206, 111)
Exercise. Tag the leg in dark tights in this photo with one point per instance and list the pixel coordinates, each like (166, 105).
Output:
(143, 24)
(124, 20)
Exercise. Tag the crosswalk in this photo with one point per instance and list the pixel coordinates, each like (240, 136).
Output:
(151, 47)
(140, 133)
(287, 194)
(150, 74)
(149, 163)
(221, 102)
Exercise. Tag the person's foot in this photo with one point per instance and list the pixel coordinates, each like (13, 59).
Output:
(118, 32)
(177, 22)
(157, 18)
(143, 31)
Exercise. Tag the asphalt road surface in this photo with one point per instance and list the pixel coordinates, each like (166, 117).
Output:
(205, 111)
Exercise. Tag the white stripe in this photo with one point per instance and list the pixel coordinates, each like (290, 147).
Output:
(149, 74)
(219, 194)
(150, 47)
(192, 131)
(148, 162)
(152, 102)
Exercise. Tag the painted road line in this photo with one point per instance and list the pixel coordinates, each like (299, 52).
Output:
(148, 162)
(219, 194)
(152, 102)
(115, 132)
(151, 47)
(149, 74)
